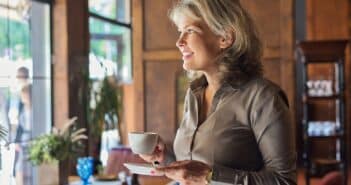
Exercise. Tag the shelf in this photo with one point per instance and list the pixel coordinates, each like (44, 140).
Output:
(326, 161)
(332, 97)
(333, 136)
(322, 52)
(323, 60)
(323, 97)
(320, 167)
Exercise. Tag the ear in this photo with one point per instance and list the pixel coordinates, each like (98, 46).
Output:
(226, 41)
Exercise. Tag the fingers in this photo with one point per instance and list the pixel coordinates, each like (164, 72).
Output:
(174, 174)
(157, 155)
(186, 171)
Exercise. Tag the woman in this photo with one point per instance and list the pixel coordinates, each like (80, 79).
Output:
(236, 127)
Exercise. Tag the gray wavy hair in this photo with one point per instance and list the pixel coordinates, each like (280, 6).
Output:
(240, 61)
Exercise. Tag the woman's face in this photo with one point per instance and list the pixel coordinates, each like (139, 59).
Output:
(198, 45)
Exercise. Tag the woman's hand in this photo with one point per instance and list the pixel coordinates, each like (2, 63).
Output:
(158, 154)
(187, 172)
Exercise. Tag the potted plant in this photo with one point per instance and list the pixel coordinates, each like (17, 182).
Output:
(57, 146)
(105, 109)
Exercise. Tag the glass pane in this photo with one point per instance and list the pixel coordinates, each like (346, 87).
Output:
(110, 54)
(14, 36)
(103, 58)
(97, 26)
(25, 83)
(114, 9)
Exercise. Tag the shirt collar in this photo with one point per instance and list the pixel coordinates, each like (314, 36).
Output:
(233, 84)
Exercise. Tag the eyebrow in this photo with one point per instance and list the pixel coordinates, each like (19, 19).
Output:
(189, 25)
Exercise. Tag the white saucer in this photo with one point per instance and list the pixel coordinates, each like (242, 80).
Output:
(142, 169)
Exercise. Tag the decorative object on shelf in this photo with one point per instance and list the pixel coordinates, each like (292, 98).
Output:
(322, 128)
(85, 166)
(317, 127)
(58, 146)
(320, 88)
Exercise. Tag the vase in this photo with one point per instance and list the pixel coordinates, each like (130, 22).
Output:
(85, 168)
(48, 174)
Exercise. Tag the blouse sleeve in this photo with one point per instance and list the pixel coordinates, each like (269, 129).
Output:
(272, 127)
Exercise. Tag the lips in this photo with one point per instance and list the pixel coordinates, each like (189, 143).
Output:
(187, 55)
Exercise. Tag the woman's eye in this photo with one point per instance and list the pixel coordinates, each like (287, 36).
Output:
(190, 31)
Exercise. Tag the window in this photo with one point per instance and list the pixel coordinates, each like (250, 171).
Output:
(110, 34)
(110, 55)
(25, 79)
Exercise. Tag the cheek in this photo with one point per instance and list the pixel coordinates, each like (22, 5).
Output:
(208, 46)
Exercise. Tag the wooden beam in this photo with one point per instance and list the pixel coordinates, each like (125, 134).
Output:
(138, 67)
(60, 63)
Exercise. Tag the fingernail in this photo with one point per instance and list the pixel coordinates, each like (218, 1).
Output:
(152, 172)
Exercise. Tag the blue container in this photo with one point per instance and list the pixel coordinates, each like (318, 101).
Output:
(85, 166)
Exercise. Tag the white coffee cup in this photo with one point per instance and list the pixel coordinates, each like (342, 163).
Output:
(143, 142)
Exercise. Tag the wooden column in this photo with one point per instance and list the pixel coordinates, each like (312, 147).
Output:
(70, 57)
(60, 62)
(70, 69)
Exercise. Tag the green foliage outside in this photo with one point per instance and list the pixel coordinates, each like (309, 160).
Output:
(108, 11)
(19, 38)
(100, 49)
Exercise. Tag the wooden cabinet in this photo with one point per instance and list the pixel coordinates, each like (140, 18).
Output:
(316, 129)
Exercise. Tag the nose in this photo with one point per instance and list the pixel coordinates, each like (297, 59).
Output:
(180, 42)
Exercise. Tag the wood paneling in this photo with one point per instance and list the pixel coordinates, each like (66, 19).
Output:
(268, 65)
(327, 19)
(266, 21)
(160, 94)
(159, 32)
(164, 55)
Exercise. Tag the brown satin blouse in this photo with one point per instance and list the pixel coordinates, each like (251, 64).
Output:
(247, 137)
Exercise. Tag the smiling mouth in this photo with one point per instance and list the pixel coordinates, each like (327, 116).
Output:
(187, 55)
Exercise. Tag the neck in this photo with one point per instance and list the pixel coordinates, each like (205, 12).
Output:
(213, 82)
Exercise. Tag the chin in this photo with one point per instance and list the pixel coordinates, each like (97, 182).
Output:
(187, 67)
